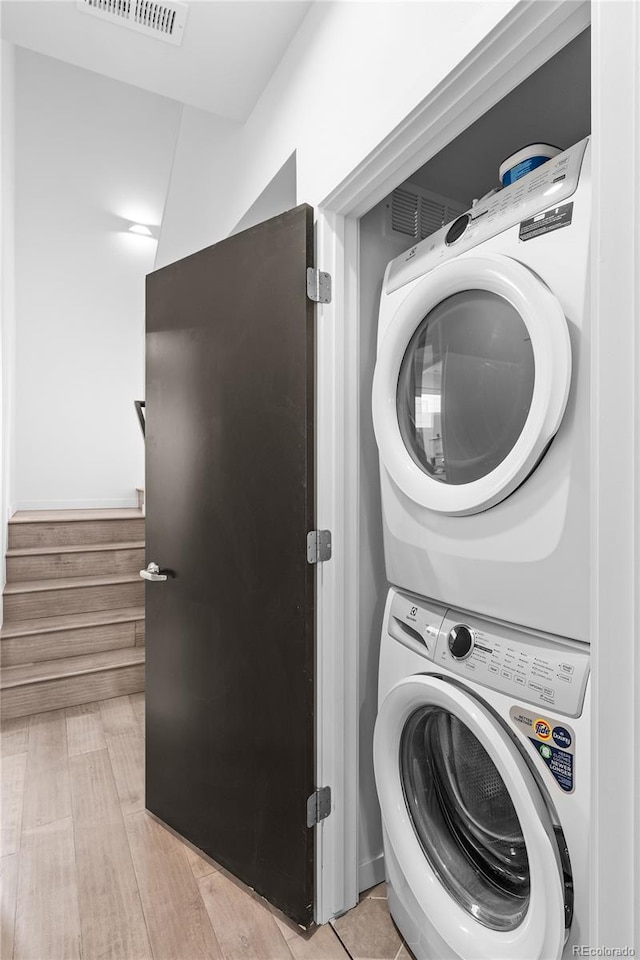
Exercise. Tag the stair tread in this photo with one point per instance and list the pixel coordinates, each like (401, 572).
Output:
(74, 548)
(68, 583)
(65, 516)
(71, 621)
(22, 674)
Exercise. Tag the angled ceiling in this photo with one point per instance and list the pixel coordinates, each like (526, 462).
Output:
(229, 51)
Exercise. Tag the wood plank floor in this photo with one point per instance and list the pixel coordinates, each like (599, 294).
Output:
(88, 874)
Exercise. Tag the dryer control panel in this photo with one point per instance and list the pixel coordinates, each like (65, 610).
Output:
(544, 189)
(531, 668)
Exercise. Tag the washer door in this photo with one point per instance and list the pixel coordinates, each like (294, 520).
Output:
(468, 825)
(471, 383)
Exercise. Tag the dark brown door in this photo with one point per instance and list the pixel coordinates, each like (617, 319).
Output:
(230, 499)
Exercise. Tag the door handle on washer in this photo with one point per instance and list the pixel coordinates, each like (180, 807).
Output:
(153, 572)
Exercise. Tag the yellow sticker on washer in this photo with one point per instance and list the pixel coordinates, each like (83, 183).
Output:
(542, 729)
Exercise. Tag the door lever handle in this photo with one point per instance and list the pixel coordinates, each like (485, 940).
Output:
(153, 572)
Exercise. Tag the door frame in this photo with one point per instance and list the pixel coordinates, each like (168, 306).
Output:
(527, 36)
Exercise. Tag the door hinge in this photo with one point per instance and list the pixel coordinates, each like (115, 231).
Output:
(318, 285)
(318, 806)
(318, 546)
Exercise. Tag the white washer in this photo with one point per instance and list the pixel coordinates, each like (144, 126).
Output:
(481, 753)
(481, 405)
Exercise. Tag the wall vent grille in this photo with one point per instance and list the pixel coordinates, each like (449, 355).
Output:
(404, 212)
(417, 213)
(164, 21)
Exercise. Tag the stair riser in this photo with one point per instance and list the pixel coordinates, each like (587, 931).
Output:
(94, 563)
(77, 532)
(71, 691)
(68, 643)
(57, 603)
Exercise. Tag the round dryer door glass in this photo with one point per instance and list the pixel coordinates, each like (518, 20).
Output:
(465, 386)
(464, 818)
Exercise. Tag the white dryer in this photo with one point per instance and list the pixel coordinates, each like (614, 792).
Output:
(481, 753)
(481, 405)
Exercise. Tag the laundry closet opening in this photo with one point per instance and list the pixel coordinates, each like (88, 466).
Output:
(552, 106)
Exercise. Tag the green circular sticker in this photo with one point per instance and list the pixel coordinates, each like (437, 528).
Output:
(545, 751)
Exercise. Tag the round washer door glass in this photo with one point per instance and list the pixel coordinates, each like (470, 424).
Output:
(465, 386)
(464, 818)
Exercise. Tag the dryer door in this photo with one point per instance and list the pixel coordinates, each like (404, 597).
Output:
(468, 827)
(471, 383)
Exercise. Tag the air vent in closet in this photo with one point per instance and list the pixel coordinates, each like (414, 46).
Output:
(164, 21)
(416, 212)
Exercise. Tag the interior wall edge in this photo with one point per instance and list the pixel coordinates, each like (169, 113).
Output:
(615, 548)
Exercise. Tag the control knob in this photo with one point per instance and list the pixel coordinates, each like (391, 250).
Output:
(460, 640)
(457, 228)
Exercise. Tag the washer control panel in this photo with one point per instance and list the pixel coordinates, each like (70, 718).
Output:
(544, 188)
(549, 673)
(533, 668)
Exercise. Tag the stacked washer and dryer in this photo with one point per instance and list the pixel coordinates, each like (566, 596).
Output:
(481, 414)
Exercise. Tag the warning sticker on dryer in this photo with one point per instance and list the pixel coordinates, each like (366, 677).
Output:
(553, 741)
(546, 222)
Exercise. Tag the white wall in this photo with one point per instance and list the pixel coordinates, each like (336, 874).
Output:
(7, 327)
(91, 155)
(279, 196)
(205, 162)
(351, 74)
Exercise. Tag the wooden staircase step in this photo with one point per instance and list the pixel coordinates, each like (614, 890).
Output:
(30, 599)
(67, 667)
(94, 618)
(32, 528)
(49, 638)
(36, 563)
(68, 681)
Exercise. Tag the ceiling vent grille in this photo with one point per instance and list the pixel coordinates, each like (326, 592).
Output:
(164, 21)
(417, 213)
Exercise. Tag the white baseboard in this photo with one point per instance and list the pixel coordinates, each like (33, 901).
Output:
(75, 504)
(371, 873)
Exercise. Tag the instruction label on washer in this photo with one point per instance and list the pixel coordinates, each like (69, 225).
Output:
(553, 741)
(546, 222)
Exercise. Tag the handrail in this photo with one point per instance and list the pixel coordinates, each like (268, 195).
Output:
(139, 405)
